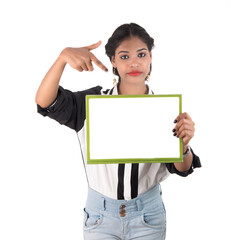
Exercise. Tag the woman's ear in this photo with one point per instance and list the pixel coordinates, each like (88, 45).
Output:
(151, 55)
(113, 62)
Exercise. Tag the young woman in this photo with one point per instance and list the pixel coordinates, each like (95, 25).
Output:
(124, 200)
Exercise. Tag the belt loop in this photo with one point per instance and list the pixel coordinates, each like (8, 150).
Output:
(139, 204)
(103, 203)
(160, 189)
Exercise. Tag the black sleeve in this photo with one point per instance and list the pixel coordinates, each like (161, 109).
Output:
(69, 108)
(195, 163)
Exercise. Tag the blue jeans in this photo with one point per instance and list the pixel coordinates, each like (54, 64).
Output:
(142, 218)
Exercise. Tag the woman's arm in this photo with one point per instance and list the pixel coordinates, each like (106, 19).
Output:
(187, 162)
(48, 88)
(78, 58)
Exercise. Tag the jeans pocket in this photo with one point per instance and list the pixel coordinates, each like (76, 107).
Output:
(91, 219)
(154, 219)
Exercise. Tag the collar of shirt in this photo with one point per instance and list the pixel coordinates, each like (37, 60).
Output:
(115, 90)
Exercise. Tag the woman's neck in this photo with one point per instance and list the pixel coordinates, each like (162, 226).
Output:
(132, 89)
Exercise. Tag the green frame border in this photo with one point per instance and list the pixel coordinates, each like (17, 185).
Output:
(130, 160)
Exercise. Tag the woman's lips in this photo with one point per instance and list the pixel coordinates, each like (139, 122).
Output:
(134, 73)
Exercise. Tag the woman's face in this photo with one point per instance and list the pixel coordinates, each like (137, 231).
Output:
(132, 60)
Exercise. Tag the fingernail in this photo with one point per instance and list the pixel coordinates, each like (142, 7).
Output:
(106, 70)
(175, 121)
(174, 134)
(174, 130)
(177, 136)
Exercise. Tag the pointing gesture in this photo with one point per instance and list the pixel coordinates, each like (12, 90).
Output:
(93, 46)
(78, 58)
(81, 58)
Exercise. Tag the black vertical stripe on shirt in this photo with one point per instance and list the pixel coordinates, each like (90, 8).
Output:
(120, 190)
(134, 180)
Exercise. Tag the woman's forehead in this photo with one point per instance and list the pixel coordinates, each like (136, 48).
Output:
(131, 44)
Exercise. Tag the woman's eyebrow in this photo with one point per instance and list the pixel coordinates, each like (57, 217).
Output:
(142, 49)
(136, 51)
(123, 52)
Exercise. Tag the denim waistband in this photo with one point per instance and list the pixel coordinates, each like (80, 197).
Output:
(148, 199)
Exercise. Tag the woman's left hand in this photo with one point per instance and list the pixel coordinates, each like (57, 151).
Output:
(184, 129)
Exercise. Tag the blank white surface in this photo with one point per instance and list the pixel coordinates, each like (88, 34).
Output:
(122, 128)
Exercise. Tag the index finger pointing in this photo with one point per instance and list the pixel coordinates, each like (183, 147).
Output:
(98, 63)
(93, 46)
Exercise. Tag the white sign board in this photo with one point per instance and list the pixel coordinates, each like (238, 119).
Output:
(132, 128)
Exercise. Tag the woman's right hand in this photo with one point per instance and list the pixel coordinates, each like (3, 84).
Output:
(81, 58)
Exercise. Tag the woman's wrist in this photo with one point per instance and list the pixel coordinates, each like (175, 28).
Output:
(185, 148)
(62, 56)
(187, 152)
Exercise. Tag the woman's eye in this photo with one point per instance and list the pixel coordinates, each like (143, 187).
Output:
(141, 55)
(124, 57)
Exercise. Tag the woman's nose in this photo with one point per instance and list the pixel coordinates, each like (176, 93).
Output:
(134, 62)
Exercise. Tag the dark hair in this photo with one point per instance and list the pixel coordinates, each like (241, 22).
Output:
(124, 32)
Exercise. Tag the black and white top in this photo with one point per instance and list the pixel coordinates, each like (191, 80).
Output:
(117, 181)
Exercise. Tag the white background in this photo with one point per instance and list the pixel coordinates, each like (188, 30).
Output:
(198, 53)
